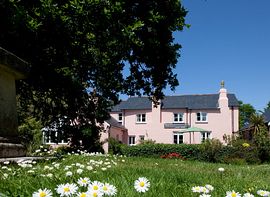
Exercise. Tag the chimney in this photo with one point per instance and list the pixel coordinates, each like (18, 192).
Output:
(223, 99)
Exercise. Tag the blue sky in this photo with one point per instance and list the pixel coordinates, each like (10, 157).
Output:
(228, 40)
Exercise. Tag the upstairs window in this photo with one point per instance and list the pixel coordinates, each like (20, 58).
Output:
(202, 117)
(178, 117)
(120, 117)
(141, 118)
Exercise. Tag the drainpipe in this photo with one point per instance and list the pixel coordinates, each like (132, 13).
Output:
(232, 120)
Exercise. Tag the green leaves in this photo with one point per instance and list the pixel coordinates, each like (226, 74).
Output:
(78, 49)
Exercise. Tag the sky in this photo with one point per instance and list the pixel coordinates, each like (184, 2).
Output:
(228, 40)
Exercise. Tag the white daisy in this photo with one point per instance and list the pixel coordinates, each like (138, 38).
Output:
(79, 171)
(50, 175)
(95, 186)
(57, 165)
(232, 194)
(209, 187)
(66, 189)
(109, 190)
(42, 193)
(5, 175)
(83, 194)
(248, 195)
(89, 168)
(221, 169)
(83, 181)
(196, 189)
(68, 173)
(263, 193)
(204, 190)
(142, 184)
(205, 195)
(95, 193)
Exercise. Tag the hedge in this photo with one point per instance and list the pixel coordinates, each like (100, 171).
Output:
(188, 151)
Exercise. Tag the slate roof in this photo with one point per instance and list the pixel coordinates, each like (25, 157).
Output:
(266, 115)
(113, 122)
(200, 101)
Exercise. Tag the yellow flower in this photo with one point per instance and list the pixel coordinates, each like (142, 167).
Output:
(245, 145)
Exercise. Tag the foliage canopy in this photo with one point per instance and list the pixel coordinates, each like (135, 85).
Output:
(78, 50)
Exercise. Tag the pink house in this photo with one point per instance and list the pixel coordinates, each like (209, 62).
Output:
(186, 119)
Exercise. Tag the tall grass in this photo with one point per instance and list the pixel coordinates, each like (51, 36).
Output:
(167, 177)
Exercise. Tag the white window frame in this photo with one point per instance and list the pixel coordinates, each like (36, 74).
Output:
(178, 138)
(178, 117)
(47, 137)
(205, 136)
(120, 117)
(141, 118)
(201, 117)
(133, 137)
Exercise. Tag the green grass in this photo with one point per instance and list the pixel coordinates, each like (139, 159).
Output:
(167, 177)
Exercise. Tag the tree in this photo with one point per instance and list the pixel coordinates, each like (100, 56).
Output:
(245, 112)
(78, 50)
(267, 106)
(257, 122)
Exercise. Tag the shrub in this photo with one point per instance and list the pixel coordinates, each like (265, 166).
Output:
(238, 155)
(262, 141)
(189, 151)
(149, 141)
(209, 150)
(115, 146)
(172, 156)
(30, 134)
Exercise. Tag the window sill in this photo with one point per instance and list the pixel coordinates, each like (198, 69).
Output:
(141, 122)
(54, 143)
(201, 122)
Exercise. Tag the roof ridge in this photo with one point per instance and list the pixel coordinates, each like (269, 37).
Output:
(192, 95)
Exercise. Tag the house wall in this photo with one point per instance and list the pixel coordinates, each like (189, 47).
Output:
(113, 132)
(8, 114)
(220, 121)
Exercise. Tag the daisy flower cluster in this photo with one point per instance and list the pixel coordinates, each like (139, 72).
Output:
(203, 190)
(232, 193)
(44, 151)
(86, 188)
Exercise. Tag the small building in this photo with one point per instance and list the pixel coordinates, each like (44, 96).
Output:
(186, 119)
(12, 68)
(113, 129)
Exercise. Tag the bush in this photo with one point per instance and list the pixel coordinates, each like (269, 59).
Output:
(172, 156)
(262, 141)
(209, 150)
(30, 134)
(115, 146)
(189, 151)
(238, 155)
(149, 141)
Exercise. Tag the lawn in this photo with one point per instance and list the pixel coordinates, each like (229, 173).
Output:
(167, 177)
